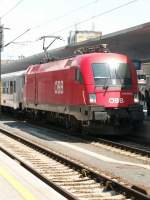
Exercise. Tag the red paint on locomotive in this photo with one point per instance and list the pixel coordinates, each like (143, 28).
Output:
(54, 82)
(82, 85)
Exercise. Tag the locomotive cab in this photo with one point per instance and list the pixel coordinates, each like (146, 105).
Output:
(114, 84)
(112, 89)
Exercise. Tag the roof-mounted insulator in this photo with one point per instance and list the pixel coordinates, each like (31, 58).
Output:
(105, 49)
(102, 48)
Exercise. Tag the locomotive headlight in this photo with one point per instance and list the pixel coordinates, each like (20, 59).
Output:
(92, 98)
(136, 98)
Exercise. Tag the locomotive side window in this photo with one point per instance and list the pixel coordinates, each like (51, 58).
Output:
(78, 76)
(112, 74)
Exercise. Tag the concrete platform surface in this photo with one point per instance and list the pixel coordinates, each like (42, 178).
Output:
(16, 183)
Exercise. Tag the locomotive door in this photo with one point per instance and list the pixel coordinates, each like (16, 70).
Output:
(30, 88)
(77, 96)
(31, 85)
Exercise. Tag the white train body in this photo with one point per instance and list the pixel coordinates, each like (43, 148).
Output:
(12, 89)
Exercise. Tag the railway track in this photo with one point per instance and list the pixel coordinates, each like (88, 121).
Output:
(129, 149)
(69, 178)
(133, 151)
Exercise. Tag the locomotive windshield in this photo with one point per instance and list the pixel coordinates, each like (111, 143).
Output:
(112, 75)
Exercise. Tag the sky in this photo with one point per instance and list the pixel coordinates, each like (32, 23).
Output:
(59, 17)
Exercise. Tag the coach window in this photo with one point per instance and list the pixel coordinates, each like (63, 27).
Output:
(11, 87)
(4, 87)
(14, 86)
(7, 87)
(78, 76)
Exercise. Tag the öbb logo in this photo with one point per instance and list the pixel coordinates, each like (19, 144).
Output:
(116, 100)
(59, 87)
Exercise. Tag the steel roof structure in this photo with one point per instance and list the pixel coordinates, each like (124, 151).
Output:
(134, 42)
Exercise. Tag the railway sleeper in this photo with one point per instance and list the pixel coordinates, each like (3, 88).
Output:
(78, 186)
(84, 180)
(101, 196)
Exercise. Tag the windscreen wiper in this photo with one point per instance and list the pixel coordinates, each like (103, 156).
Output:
(118, 76)
(105, 86)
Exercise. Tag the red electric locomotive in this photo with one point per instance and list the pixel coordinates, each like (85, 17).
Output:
(86, 90)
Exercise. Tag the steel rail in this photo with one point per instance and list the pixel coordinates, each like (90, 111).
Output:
(121, 146)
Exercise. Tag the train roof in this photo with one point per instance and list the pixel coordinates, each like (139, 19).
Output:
(75, 62)
(14, 74)
(50, 66)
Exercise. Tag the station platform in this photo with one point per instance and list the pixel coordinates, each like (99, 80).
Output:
(16, 183)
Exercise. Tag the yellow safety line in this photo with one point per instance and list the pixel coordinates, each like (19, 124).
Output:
(17, 185)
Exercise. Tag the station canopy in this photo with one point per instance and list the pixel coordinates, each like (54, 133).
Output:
(134, 41)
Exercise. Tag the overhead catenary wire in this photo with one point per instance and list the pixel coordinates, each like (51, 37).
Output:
(66, 14)
(90, 18)
(11, 9)
(56, 18)
(16, 38)
(98, 15)
(23, 42)
(85, 20)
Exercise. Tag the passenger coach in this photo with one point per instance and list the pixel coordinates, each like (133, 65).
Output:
(12, 90)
